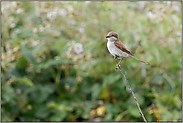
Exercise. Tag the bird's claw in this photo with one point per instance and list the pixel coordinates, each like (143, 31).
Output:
(118, 66)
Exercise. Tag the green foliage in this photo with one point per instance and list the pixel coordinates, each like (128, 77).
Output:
(55, 65)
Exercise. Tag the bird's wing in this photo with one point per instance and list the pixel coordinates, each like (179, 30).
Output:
(120, 45)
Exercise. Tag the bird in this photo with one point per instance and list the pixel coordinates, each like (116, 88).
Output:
(117, 49)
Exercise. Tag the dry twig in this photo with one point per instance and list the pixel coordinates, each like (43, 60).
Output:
(118, 67)
(179, 97)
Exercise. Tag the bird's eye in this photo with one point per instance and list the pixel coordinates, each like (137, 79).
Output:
(112, 34)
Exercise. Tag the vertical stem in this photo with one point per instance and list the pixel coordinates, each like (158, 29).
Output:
(57, 81)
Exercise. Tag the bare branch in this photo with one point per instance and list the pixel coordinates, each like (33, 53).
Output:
(179, 97)
(118, 67)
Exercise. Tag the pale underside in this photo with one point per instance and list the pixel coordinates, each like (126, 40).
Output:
(115, 51)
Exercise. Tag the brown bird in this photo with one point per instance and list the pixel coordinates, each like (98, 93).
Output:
(117, 49)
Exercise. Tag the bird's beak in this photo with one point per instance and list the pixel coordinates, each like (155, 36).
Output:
(107, 36)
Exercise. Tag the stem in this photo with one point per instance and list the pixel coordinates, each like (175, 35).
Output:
(57, 81)
(179, 97)
(118, 67)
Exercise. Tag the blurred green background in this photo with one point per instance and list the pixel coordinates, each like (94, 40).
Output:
(55, 65)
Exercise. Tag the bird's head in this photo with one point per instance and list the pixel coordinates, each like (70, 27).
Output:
(112, 36)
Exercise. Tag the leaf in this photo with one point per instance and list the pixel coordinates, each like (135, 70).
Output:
(140, 99)
(157, 54)
(120, 116)
(8, 95)
(169, 80)
(21, 63)
(39, 96)
(5, 117)
(58, 44)
(24, 33)
(37, 48)
(105, 94)
(79, 110)
(111, 78)
(28, 55)
(26, 81)
(95, 90)
(53, 105)
(85, 115)
(70, 81)
(177, 101)
(176, 19)
(111, 108)
(14, 41)
(58, 116)
(158, 79)
(42, 112)
(108, 117)
(52, 62)
(43, 92)
(39, 93)
(133, 110)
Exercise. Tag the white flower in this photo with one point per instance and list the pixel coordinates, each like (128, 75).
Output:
(178, 33)
(70, 8)
(141, 5)
(81, 30)
(17, 30)
(87, 2)
(176, 8)
(62, 12)
(68, 52)
(12, 25)
(52, 15)
(34, 30)
(5, 8)
(56, 57)
(20, 10)
(16, 49)
(41, 29)
(78, 48)
(150, 14)
(14, 4)
(34, 43)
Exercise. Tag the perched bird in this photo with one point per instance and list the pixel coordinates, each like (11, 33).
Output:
(117, 49)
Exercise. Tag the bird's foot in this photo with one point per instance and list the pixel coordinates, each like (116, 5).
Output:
(118, 67)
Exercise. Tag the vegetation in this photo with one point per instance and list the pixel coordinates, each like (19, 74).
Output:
(55, 65)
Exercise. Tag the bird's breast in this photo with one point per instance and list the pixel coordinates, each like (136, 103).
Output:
(115, 50)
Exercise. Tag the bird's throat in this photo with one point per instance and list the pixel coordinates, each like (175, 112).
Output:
(112, 39)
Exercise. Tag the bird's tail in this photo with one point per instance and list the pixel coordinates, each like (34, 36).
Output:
(138, 59)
